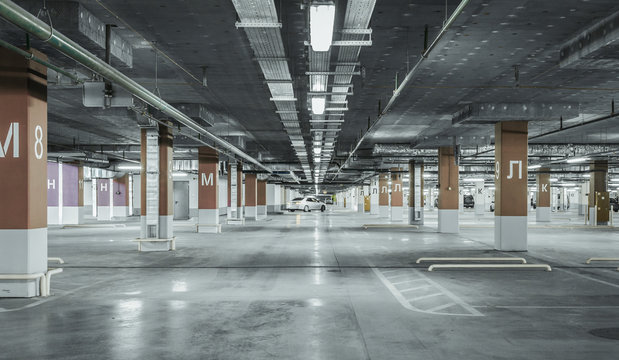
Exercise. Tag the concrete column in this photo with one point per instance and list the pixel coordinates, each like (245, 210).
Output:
(104, 203)
(235, 212)
(72, 194)
(583, 196)
(511, 200)
(415, 199)
(480, 198)
(542, 201)
(166, 185)
(261, 199)
(397, 195)
(374, 209)
(361, 199)
(448, 196)
(23, 165)
(383, 195)
(598, 194)
(277, 198)
(194, 209)
(120, 197)
(137, 195)
(157, 195)
(53, 193)
(251, 196)
(430, 200)
(208, 190)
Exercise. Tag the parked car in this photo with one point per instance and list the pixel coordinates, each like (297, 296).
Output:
(614, 204)
(306, 204)
(469, 201)
(492, 206)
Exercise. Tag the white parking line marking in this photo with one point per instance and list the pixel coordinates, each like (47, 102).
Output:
(404, 282)
(416, 288)
(442, 307)
(424, 297)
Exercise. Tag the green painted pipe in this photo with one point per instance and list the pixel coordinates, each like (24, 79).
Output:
(29, 23)
(31, 56)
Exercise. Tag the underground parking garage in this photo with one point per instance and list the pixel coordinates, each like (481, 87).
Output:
(340, 179)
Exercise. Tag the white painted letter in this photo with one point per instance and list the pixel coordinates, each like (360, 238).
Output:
(207, 181)
(13, 133)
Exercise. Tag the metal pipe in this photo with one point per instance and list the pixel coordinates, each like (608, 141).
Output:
(42, 280)
(606, 117)
(29, 23)
(409, 76)
(30, 56)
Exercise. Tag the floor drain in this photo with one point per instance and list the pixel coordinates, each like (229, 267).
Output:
(334, 270)
(607, 333)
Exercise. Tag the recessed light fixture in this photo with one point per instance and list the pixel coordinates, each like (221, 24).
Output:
(322, 18)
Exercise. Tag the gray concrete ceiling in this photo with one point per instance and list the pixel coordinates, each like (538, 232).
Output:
(474, 63)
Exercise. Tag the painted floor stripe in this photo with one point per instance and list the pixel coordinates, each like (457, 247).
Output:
(442, 307)
(416, 288)
(425, 297)
(407, 281)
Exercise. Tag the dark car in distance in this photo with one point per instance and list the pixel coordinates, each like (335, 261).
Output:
(469, 201)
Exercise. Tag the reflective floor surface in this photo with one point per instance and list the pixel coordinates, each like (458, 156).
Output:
(319, 286)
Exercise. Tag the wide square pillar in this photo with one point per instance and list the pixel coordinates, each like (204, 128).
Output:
(598, 199)
(542, 197)
(23, 173)
(448, 195)
(104, 204)
(208, 190)
(261, 199)
(415, 188)
(383, 195)
(511, 200)
(397, 195)
(251, 196)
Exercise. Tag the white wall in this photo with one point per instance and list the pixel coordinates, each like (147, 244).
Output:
(137, 194)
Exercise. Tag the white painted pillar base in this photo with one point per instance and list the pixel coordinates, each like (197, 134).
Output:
(208, 221)
(149, 246)
(120, 211)
(542, 214)
(104, 213)
(374, 209)
(397, 213)
(53, 215)
(261, 212)
(448, 221)
(70, 215)
(383, 211)
(24, 251)
(82, 211)
(166, 227)
(415, 216)
(250, 212)
(510, 233)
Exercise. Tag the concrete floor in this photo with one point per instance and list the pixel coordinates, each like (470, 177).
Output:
(318, 286)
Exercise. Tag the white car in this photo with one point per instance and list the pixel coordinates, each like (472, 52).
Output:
(306, 204)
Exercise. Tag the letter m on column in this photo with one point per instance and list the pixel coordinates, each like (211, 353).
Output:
(13, 134)
(207, 180)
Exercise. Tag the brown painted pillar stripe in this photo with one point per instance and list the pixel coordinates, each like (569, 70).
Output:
(80, 186)
(447, 179)
(143, 172)
(239, 185)
(543, 188)
(23, 168)
(250, 190)
(166, 184)
(262, 193)
(597, 182)
(413, 192)
(383, 189)
(511, 143)
(208, 178)
(397, 196)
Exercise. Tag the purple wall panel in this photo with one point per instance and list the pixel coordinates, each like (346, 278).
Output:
(120, 193)
(103, 192)
(52, 184)
(70, 186)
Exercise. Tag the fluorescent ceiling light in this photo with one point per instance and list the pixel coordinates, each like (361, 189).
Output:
(472, 180)
(129, 167)
(577, 160)
(179, 174)
(426, 175)
(553, 179)
(535, 166)
(322, 18)
(586, 176)
(318, 105)
(317, 151)
(614, 180)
